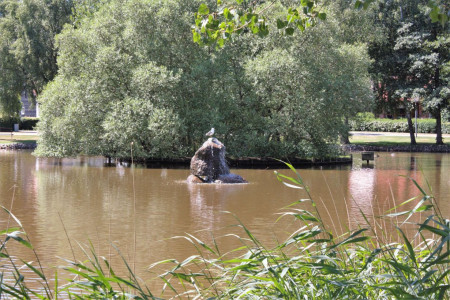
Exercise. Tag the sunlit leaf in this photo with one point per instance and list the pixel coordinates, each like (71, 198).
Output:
(281, 24)
(289, 31)
(16, 236)
(9, 230)
(203, 9)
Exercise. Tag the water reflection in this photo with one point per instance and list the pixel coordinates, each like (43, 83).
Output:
(208, 201)
(361, 194)
(393, 180)
(97, 202)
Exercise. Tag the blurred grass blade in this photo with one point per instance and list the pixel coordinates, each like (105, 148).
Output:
(412, 254)
(15, 236)
(12, 215)
(9, 230)
(36, 271)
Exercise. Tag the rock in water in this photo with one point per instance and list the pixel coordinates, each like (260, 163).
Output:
(209, 160)
(195, 179)
(230, 178)
(208, 165)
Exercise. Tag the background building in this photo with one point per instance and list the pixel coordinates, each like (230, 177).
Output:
(28, 108)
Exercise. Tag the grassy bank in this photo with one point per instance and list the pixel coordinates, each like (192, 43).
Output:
(7, 138)
(386, 140)
(371, 262)
(359, 139)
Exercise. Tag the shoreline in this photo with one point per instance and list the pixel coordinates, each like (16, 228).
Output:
(266, 163)
(237, 163)
(18, 146)
(250, 162)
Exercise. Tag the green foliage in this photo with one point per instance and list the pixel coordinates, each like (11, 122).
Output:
(10, 80)
(27, 47)
(365, 116)
(410, 62)
(7, 124)
(28, 123)
(216, 28)
(396, 125)
(439, 11)
(110, 91)
(153, 132)
(229, 18)
(125, 77)
(299, 104)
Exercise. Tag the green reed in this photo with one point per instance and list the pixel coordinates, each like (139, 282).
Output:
(312, 263)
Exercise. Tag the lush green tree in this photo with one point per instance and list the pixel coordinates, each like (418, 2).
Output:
(11, 81)
(233, 17)
(27, 47)
(355, 27)
(119, 69)
(388, 69)
(408, 62)
(126, 78)
(428, 51)
(309, 92)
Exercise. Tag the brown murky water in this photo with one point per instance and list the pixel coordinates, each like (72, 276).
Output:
(139, 210)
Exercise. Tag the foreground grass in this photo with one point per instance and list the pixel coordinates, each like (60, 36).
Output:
(382, 140)
(312, 263)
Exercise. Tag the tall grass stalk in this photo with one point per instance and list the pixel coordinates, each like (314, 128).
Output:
(134, 210)
(366, 262)
(20, 287)
(334, 204)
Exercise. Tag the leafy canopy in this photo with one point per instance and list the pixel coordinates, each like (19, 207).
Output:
(227, 18)
(27, 47)
(126, 78)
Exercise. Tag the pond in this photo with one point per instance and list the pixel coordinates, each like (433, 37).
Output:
(64, 203)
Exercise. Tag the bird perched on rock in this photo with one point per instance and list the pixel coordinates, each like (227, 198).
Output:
(210, 133)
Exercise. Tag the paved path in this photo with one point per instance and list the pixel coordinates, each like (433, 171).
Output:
(373, 133)
(21, 132)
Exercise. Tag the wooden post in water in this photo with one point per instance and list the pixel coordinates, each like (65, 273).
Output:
(367, 155)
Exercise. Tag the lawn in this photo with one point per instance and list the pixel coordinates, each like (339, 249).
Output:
(382, 140)
(6, 138)
(375, 140)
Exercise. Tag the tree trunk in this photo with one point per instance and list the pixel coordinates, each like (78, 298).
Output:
(410, 127)
(344, 137)
(439, 140)
(437, 83)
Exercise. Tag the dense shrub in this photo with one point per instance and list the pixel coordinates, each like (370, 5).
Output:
(7, 124)
(398, 125)
(365, 116)
(28, 123)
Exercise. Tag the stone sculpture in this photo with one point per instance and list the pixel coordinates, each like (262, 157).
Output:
(208, 165)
